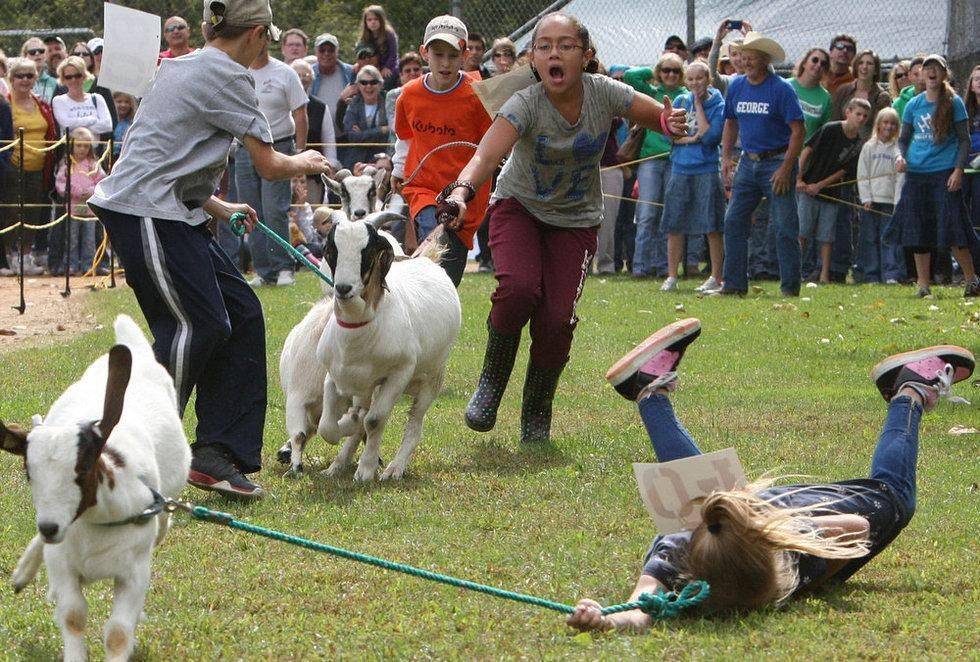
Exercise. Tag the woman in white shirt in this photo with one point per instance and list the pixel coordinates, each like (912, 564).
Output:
(77, 107)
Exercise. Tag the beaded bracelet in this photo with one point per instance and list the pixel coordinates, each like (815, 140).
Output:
(446, 192)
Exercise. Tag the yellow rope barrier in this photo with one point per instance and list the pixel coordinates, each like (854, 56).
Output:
(41, 150)
(662, 155)
(98, 164)
(639, 202)
(11, 145)
(99, 254)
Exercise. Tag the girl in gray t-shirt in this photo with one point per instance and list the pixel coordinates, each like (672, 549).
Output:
(545, 212)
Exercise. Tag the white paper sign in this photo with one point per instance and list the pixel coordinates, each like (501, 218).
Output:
(669, 488)
(132, 45)
(494, 92)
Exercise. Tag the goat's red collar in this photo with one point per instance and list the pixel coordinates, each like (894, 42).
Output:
(349, 325)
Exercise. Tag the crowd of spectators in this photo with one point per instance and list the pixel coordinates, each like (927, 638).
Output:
(848, 168)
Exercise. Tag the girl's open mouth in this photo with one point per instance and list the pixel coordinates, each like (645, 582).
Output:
(556, 73)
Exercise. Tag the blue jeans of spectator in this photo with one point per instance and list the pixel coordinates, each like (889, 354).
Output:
(880, 255)
(271, 201)
(762, 245)
(842, 253)
(751, 184)
(82, 246)
(230, 242)
(626, 228)
(893, 462)
(650, 254)
(453, 262)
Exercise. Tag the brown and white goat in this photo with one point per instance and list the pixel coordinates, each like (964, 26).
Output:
(99, 464)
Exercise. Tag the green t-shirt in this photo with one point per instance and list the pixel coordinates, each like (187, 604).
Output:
(816, 106)
(638, 78)
(904, 97)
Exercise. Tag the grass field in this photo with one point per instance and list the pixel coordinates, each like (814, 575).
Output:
(783, 382)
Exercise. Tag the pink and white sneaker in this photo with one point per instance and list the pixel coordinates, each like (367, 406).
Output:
(653, 359)
(930, 371)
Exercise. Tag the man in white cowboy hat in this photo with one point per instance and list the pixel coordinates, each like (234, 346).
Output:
(763, 110)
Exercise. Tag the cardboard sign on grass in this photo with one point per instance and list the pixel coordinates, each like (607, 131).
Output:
(669, 488)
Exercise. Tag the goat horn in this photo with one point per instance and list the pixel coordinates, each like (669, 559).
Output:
(382, 219)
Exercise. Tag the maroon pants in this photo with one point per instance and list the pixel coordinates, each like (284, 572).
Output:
(540, 272)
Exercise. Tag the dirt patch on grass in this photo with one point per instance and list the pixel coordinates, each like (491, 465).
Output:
(49, 316)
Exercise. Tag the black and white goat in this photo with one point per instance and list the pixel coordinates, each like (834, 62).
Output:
(302, 377)
(393, 326)
(111, 447)
(358, 193)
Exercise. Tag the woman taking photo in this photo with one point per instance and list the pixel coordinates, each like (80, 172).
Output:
(34, 116)
(935, 145)
(545, 211)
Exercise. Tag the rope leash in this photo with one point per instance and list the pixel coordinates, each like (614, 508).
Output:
(237, 223)
(659, 605)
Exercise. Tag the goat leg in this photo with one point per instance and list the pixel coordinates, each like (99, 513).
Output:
(28, 565)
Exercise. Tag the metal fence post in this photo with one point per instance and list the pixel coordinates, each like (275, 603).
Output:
(112, 254)
(691, 35)
(67, 221)
(20, 229)
(456, 8)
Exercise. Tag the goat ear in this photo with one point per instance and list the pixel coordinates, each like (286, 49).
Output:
(13, 439)
(379, 177)
(386, 255)
(120, 368)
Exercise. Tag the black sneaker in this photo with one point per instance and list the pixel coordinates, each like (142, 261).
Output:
(654, 357)
(212, 469)
(972, 288)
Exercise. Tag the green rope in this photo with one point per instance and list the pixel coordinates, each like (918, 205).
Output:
(659, 605)
(237, 223)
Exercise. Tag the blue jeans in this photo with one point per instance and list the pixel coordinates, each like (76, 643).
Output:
(650, 254)
(842, 253)
(453, 261)
(880, 255)
(893, 462)
(762, 245)
(271, 201)
(750, 186)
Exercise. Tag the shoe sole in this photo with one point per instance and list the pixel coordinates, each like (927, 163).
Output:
(960, 358)
(660, 340)
(204, 482)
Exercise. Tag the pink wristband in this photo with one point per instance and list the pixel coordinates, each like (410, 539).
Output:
(664, 126)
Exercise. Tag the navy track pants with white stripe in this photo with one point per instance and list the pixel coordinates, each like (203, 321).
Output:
(207, 326)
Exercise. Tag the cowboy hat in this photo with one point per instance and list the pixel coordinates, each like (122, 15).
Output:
(755, 41)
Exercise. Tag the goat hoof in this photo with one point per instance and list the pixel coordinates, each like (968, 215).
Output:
(285, 453)
(394, 471)
(363, 475)
(294, 472)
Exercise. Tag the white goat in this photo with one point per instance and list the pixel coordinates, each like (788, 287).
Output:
(393, 327)
(110, 446)
(302, 377)
(358, 193)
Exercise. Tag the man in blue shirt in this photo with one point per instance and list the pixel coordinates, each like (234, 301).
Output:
(763, 110)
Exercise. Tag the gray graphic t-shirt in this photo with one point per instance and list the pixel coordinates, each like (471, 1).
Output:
(177, 147)
(553, 169)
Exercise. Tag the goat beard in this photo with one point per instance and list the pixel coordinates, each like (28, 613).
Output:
(375, 286)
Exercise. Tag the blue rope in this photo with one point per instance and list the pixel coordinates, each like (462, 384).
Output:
(237, 223)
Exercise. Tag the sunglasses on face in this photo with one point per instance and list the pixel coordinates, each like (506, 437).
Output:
(82, 54)
(843, 46)
(36, 51)
(670, 70)
(901, 74)
(72, 76)
(369, 82)
(25, 76)
(504, 54)
(819, 60)
(174, 28)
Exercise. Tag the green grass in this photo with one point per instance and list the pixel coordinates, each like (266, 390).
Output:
(562, 523)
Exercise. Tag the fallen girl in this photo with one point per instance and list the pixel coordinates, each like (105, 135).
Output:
(760, 545)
